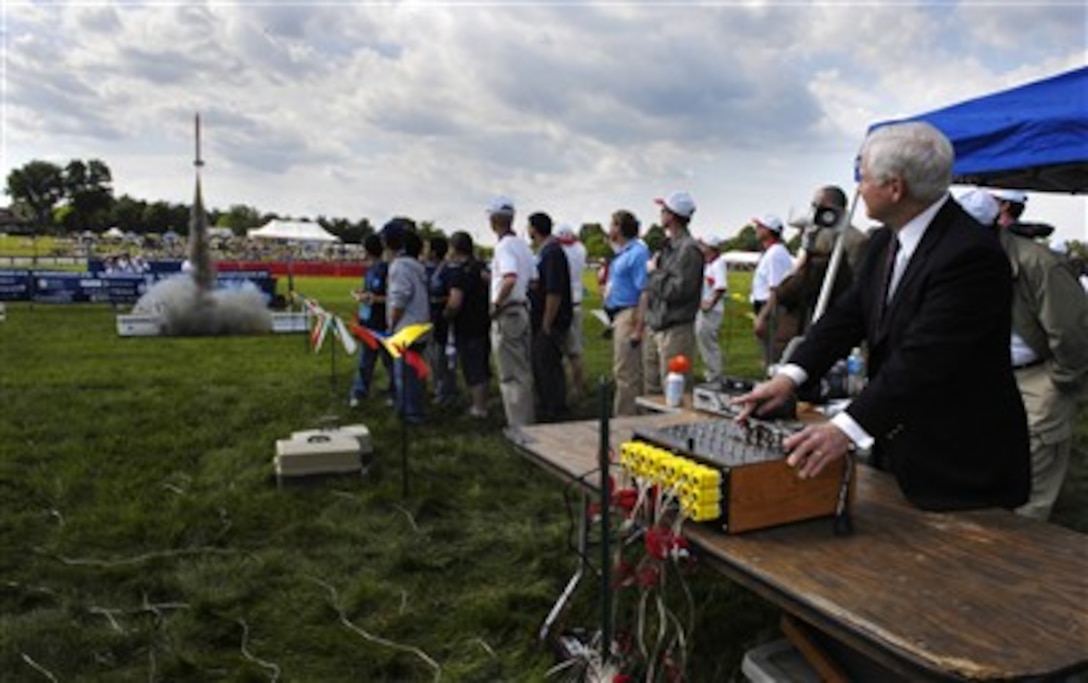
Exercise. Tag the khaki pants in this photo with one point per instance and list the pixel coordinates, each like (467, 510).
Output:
(626, 364)
(708, 327)
(511, 340)
(1050, 419)
(664, 345)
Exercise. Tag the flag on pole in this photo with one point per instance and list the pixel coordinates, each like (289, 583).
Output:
(366, 335)
(322, 323)
(399, 342)
(345, 337)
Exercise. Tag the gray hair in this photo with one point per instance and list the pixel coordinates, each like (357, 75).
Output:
(916, 152)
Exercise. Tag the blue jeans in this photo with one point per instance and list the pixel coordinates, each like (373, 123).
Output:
(364, 373)
(410, 389)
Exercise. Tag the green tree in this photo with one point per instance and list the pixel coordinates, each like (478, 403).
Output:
(745, 240)
(654, 237)
(127, 213)
(595, 240)
(38, 185)
(240, 218)
(157, 218)
(89, 193)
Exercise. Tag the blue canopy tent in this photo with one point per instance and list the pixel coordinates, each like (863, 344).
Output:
(1032, 137)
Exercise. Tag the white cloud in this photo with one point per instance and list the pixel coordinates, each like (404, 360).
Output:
(366, 110)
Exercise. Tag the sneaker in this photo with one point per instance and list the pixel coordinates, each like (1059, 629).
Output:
(478, 413)
(353, 402)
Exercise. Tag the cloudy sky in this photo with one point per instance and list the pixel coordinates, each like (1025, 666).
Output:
(427, 109)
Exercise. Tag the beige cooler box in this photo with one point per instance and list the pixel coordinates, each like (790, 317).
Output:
(324, 451)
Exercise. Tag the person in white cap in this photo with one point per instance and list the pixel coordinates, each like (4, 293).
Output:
(671, 297)
(1048, 347)
(773, 267)
(708, 323)
(1011, 205)
(512, 269)
(574, 343)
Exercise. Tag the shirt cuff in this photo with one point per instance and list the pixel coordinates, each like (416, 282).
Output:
(794, 372)
(853, 430)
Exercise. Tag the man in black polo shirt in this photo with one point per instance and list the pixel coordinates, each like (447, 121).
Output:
(551, 311)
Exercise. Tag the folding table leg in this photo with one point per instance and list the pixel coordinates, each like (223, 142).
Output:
(583, 545)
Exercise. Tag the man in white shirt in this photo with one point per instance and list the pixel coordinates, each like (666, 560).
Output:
(512, 269)
(708, 322)
(773, 267)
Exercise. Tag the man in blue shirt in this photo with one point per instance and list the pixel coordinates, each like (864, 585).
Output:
(371, 314)
(626, 280)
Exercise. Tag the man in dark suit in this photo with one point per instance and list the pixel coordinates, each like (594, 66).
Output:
(932, 298)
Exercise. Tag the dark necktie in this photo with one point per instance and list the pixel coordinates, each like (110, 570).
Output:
(889, 271)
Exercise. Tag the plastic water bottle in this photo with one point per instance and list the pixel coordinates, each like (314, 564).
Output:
(674, 389)
(855, 372)
(451, 355)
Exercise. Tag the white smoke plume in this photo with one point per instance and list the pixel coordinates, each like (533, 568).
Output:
(186, 309)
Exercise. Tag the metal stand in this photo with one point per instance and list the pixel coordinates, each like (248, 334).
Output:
(583, 538)
(564, 597)
(333, 384)
(400, 402)
(604, 463)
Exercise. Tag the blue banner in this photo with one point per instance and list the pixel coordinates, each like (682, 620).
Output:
(63, 287)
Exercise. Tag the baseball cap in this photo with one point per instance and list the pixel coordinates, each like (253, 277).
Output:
(679, 203)
(566, 235)
(981, 205)
(1014, 196)
(771, 222)
(501, 206)
(712, 241)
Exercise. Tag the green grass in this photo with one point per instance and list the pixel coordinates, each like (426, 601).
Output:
(145, 538)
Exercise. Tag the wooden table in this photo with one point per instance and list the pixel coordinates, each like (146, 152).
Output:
(980, 595)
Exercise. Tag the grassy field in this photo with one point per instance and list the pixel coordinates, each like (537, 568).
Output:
(145, 538)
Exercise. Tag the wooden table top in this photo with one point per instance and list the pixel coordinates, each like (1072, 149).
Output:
(979, 595)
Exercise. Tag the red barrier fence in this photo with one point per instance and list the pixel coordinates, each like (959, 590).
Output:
(280, 268)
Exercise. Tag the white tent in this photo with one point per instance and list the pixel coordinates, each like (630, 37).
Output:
(742, 259)
(297, 231)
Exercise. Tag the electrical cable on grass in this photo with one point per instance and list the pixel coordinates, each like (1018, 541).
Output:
(108, 613)
(135, 559)
(408, 514)
(485, 646)
(335, 604)
(253, 658)
(38, 667)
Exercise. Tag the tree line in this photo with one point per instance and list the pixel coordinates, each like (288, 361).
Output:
(49, 199)
(70, 200)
